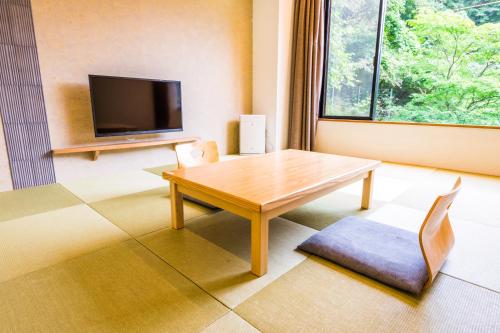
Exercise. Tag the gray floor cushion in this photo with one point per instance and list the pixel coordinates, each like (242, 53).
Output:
(387, 254)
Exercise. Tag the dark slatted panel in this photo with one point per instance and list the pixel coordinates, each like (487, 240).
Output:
(21, 98)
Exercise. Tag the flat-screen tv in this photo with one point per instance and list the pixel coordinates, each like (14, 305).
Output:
(128, 106)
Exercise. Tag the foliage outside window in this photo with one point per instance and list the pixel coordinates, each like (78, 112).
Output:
(440, 62)
(353, 40)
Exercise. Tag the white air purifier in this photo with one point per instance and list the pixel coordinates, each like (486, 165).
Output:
(252, 134)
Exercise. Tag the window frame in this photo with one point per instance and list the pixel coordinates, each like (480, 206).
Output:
(372, 118)
(409, 123)
(376, 64)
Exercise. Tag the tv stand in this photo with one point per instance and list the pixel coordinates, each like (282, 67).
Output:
(98, 148)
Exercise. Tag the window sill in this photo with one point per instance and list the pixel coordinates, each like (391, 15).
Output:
(407, 123)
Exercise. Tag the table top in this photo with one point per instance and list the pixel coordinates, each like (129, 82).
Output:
(257, 181)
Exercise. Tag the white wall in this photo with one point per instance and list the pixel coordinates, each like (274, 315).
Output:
(285, 38)
(272, 38)
(265, 63)
(458, 148)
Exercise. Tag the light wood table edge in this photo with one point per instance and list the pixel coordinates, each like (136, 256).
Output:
(258, 216)
(168, 175)
(300, 201)
(325, 188)
(221, 203)
(365, 173)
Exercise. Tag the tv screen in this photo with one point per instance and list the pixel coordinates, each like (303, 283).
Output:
(125, 106)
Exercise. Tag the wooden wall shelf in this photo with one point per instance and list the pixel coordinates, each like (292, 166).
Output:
(97, 149)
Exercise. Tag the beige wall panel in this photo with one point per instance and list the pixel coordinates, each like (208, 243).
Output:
(458, 148)
(272, 53)
(205, 44)
(265, 65)
(285, 40)
(5, 178)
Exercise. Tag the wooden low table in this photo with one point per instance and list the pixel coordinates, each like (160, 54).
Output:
(262, 187)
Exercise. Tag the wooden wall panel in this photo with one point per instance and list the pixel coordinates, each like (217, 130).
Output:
(21, 98)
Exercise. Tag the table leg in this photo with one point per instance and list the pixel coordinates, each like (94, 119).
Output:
(177, 207)
(367, 191)
(260, 237)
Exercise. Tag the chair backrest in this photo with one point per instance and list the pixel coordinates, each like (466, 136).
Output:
(196, 153)
(436, 235)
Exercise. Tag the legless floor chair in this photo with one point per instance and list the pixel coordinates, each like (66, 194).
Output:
(399, 258)
(196, 154)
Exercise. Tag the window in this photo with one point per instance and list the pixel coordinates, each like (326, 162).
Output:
(435, 61)
(352, 48)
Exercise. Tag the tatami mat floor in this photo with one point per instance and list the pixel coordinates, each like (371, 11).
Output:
(97, 255)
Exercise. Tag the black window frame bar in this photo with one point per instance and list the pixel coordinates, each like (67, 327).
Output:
(376, 63)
